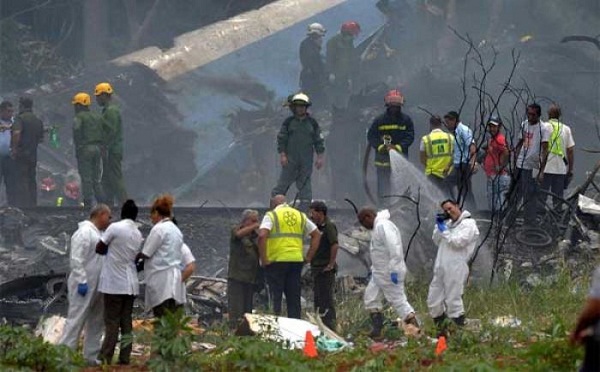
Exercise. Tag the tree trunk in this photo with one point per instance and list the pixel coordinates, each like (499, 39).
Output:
(95, 31)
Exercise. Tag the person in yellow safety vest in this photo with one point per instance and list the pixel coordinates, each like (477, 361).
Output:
(280, 247)
(437, 149)
(559, 164)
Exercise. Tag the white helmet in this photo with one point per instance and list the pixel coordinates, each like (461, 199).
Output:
(300, 99)
(317, 29)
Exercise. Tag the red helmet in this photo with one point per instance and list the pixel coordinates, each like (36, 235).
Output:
(394, 98)
(351, 28)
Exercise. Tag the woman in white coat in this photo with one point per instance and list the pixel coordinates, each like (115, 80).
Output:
(163, 256)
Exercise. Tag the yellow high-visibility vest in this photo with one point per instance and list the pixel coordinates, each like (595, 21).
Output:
(555, 145)
(285, 239)
(439, 148)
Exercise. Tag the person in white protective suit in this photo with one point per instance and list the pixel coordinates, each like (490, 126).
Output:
(456, 235)
(85, 302)
(387, 270)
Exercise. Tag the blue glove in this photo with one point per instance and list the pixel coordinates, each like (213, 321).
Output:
(439, 219)
(82, 289)
(394, 278)
(441, 226)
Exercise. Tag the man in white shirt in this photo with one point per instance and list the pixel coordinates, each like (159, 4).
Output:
(280, 238)
(120, 244)
(531, 153)
(559, 165)
(85, 302)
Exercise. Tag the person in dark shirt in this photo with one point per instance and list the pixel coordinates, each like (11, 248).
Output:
(323, 266)
(27, 133)
(243, 266)
(312, 76)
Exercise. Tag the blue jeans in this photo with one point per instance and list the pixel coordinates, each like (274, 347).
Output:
(497, 187)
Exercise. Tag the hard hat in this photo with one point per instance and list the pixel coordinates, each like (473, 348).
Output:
(495, 120)
(82, 99)
(103, 88)
(301, 99)
(394, 98)
(351, 28)
(316, 29)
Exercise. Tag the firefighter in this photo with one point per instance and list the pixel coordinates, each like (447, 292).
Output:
(312, 76)
(391, 131)
(112, 177)
(342, 62)
(298, 139)
(89, 137)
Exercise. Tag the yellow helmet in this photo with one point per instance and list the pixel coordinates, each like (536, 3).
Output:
(83, 99)
(103, 88)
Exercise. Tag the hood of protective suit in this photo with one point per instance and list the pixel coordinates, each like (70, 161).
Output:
(382, 215)
(464, 214)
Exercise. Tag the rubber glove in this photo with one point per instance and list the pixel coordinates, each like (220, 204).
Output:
(82, 289)
(394, 278)
(440, 219)
(441, 226)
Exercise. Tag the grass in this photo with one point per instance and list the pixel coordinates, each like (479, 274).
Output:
(540, 343)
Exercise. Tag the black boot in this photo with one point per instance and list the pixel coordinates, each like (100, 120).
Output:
(377, 320)
(460, 321)
(440, 325)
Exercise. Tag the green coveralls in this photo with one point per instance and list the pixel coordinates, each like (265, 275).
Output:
(112, 176)
(89, 135)
(298, 139)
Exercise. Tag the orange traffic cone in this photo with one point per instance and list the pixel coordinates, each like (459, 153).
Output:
(310, 349)
(441, 346)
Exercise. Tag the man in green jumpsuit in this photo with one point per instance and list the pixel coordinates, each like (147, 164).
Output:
(89, 137)
(298, 139)
(112, 177)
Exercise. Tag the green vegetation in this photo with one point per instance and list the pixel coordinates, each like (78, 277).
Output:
(19, 350)
(539, 343)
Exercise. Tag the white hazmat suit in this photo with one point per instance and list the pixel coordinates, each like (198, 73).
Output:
(387, 256)
(455, 247)
(85, 311)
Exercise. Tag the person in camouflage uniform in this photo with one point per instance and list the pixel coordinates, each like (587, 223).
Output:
(89, 139)
(112, 177)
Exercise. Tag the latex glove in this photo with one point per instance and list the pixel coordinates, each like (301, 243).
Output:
(394, 278)
(439, 219)
(442, 226)
(82, 289)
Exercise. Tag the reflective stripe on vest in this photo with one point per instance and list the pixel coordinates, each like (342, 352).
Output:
(555, 146)
(286, 237)
(439, 148)
(391, 127)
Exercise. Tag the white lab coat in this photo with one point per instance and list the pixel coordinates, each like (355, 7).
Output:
(186, 258)
(455, 247)
(85, 311)
(387, 256)
(119, 275)
(163, 267)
